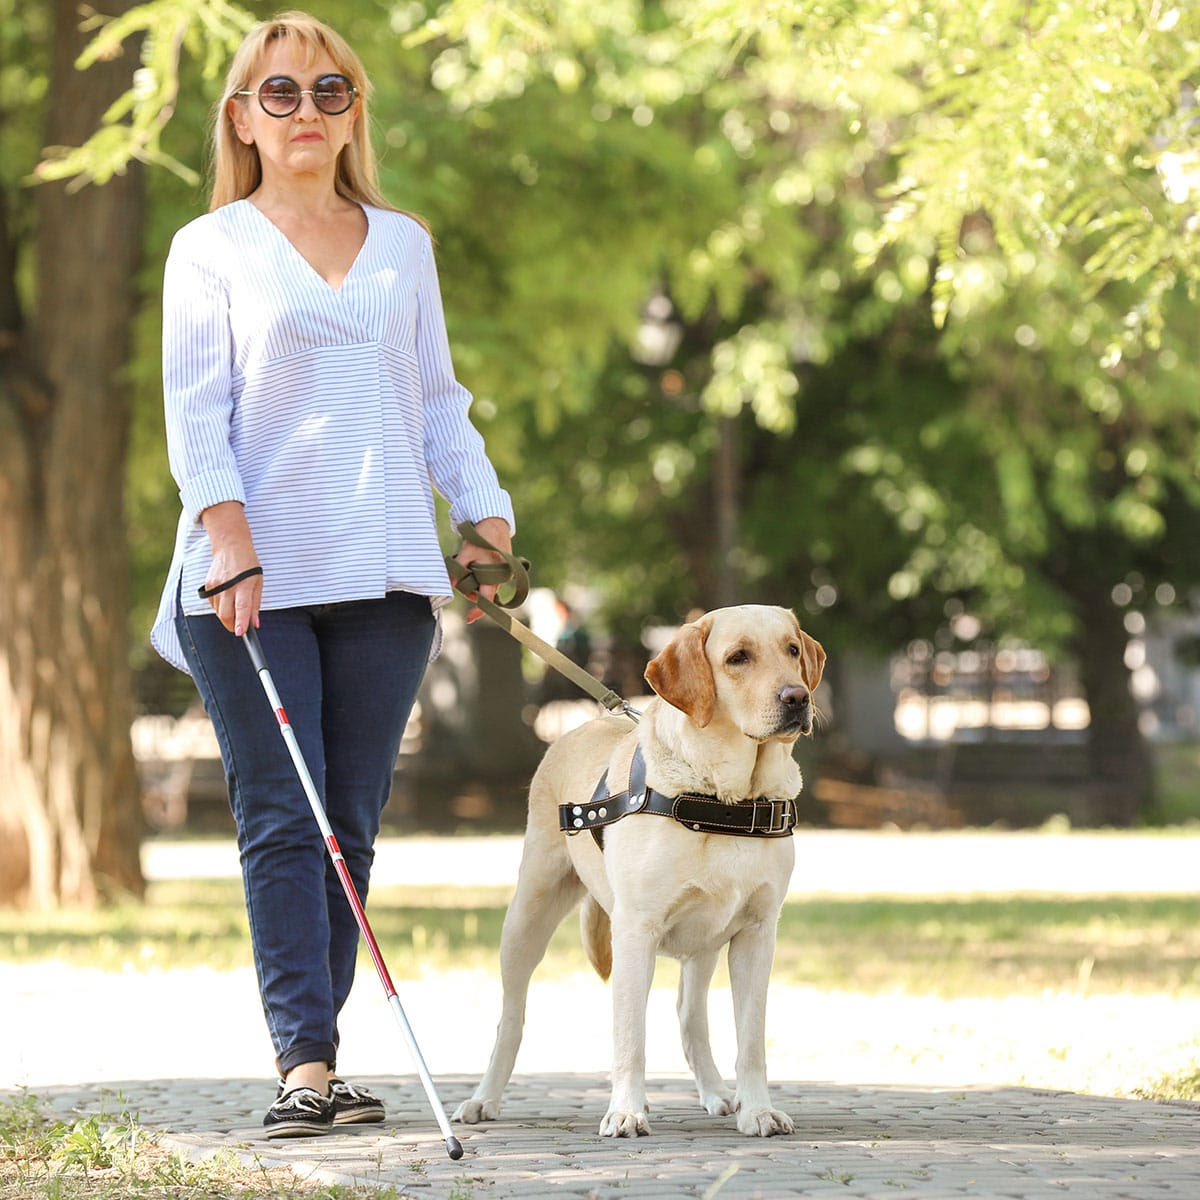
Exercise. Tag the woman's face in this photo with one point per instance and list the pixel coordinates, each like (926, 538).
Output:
(305, 142)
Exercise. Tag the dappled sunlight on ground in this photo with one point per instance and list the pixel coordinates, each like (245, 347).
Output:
(81, 1024)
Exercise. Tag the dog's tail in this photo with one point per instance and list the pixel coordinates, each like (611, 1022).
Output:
(597, 936)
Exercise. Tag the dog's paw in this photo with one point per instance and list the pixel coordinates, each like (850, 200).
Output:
(718, 1104)
(624, 1124)
(471, 1112)
(764, 1122)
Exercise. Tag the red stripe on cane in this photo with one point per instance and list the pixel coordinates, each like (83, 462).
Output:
(281, 717)
(343, 873)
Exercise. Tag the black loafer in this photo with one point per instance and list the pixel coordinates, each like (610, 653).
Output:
(302, 1112)
(353, 1104)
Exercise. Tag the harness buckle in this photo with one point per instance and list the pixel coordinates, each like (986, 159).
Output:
(781, 817)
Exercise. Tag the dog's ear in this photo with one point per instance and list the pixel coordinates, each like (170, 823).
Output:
(812, 657)
(813, 660)
(680, 673)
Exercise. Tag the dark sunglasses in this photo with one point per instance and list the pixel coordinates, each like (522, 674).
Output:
(280, 95)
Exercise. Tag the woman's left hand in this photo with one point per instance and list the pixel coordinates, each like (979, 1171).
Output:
(496, 531)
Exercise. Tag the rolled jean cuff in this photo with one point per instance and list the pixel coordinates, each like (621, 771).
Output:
(306, 1052)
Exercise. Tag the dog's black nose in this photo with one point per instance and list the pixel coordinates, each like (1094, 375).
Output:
(795, 697)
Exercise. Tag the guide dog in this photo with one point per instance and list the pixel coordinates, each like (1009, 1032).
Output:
(733, 694)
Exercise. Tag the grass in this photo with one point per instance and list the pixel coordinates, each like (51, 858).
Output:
(111, 1157)
(1177, 800)
(993, 946)
(1177, 1085)
(976, 946)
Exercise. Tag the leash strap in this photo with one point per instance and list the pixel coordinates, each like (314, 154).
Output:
(467, 579)
(512, 570)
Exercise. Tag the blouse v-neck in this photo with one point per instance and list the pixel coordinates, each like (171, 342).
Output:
(337, 291)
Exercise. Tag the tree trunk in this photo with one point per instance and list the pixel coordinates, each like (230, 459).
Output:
(70, 815)
(1122, 767)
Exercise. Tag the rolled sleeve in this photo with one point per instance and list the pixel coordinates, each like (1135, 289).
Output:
(203, 491)
(478, 506)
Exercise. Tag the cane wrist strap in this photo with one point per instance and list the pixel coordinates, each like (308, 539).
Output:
(206, 593)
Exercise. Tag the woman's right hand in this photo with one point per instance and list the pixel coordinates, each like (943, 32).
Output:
(232, 553)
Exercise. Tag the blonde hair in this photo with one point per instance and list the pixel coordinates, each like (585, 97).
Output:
(236, 168)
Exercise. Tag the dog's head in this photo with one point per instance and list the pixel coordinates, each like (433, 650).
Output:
(752, 664)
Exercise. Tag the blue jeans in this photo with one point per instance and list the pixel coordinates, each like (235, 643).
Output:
(347, 675)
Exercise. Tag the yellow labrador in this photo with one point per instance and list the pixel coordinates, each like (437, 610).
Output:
(734, 692)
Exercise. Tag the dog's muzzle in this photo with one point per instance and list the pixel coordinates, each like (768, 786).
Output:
(796, 709)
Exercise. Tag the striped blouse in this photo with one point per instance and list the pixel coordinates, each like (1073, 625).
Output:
(331, 414)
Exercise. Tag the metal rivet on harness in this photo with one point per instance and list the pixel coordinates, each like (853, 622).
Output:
(638, 800)
(577, 811)
(578, 822)
(603, 813)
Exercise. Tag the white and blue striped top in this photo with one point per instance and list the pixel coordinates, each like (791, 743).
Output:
(330, 414)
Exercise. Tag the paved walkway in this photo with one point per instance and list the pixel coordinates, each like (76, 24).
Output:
(951, 1130)
(851, 1141)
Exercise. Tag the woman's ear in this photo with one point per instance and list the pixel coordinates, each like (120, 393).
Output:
(680, 673)
(237, 118)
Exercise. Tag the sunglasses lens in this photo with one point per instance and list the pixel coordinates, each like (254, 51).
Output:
(279, 96)
(333, 94)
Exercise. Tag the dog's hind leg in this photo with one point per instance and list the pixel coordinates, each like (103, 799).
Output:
(596, 931)
(695, 975)
(533, 915)
(751, 952)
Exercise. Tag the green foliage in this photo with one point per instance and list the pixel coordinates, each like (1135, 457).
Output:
(933, 265)
(23, 84)
(865, 163)
(106, 1156)
(24, 79)
(131, 129)
(91, 1145)
(23, 1126)
(1061, 124)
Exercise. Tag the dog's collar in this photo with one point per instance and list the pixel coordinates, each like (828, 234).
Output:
(704, 814)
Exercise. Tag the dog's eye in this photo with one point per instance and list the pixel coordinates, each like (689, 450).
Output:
(737, 659)
(794, 650)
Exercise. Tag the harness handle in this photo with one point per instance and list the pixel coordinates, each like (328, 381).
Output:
(469, 579)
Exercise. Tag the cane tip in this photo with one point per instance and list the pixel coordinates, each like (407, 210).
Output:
(454, 1148)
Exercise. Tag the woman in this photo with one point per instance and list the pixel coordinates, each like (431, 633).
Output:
(310, 400)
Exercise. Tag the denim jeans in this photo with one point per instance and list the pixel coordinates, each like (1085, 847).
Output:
(347, 675)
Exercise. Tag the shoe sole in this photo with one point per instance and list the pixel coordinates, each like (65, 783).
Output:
(366, 1116)
(299, 1129)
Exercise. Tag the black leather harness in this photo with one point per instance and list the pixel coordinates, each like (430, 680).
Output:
(704, 814)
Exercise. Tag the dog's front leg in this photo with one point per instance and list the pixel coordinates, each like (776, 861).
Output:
(751, 953)
(695, 975)
(634, 948)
